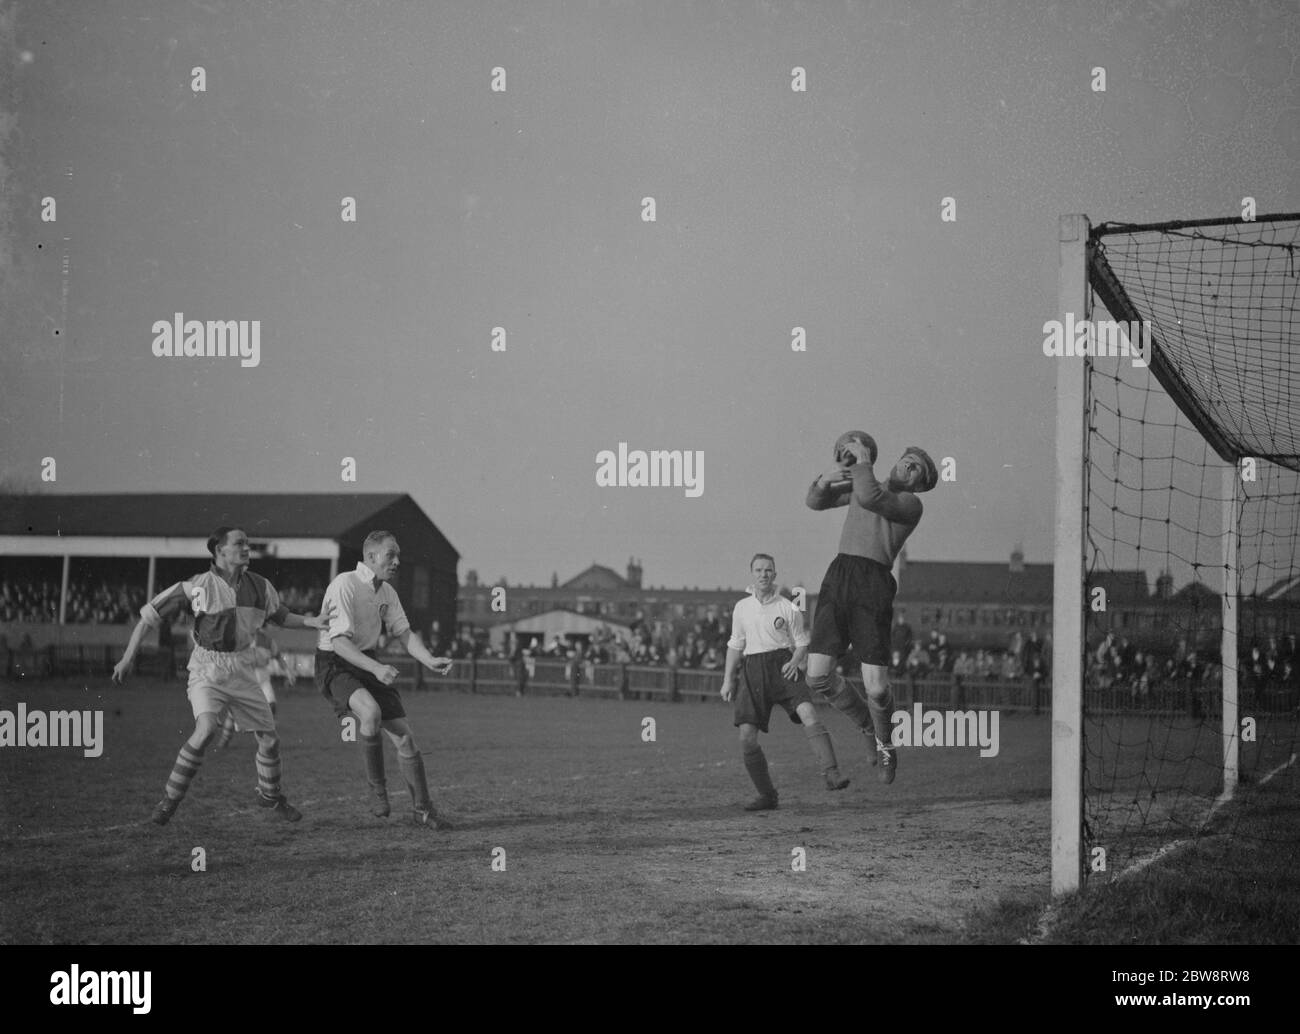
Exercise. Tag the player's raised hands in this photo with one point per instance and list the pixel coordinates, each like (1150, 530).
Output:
(857, 450)
(442, 665)
(836, 476)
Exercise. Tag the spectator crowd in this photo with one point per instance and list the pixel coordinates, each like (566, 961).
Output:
(1114, 663)
(1024, 656)
(90, 602)
(97, 601)
(702, 645)
(1262, 665)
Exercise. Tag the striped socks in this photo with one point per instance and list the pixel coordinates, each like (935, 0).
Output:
(183, 772)
(268, 771)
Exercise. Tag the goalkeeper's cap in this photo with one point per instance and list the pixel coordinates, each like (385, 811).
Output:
(931, 471)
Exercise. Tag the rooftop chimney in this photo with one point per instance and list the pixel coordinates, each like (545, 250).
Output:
(1164, 585)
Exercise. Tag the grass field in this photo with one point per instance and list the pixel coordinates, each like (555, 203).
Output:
(607, 838)
(1153, 779)
(1182, 866)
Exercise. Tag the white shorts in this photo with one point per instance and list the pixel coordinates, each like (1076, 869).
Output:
(228, 682)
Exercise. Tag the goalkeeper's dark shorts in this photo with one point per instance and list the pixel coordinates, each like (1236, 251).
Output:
(855, 607)
(761, 687)
(337, 680)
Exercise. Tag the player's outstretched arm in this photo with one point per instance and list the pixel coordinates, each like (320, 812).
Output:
(292, 620)
(416, 648)
(830, 490)
(159, 609)
(123, 667)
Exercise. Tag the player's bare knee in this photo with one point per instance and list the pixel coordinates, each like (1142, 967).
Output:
(807, 714)
(406, 746)
(875, 680)
(820, 666)
(268, 742)
(368, 716)
(206, 726)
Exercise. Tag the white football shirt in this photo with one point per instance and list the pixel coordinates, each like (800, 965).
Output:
(360, 607)
(758, 627)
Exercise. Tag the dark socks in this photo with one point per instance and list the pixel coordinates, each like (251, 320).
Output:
(820, 741)
(756, 766)
(413, 773)
(372, 751)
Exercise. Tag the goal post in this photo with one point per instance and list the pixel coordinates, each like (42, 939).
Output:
(1068, 568)
(1184, 378)
(1231, 609)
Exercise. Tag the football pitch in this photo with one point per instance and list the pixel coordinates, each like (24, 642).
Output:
(571, 827)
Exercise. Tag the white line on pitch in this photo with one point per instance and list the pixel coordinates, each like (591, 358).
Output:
(1142, 863)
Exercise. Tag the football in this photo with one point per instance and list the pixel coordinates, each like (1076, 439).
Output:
(844, 456)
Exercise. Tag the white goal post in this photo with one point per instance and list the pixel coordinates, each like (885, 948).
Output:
(1083, 270)
(1074, 304)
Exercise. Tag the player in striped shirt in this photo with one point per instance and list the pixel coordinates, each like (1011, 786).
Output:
(230, 604)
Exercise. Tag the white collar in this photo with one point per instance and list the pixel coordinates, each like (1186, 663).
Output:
(776, 594)
(367, 576)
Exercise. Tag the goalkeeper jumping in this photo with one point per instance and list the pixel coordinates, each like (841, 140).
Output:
(855, 606)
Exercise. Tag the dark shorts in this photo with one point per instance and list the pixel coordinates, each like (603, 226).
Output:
(855, 608)
(337, 680)
(762, 686)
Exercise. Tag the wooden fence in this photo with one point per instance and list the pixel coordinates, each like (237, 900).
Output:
(544, 677)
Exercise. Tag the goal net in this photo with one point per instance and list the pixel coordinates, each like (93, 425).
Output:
(1179, 522)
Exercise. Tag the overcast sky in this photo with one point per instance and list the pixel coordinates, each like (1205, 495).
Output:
(523, 209)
